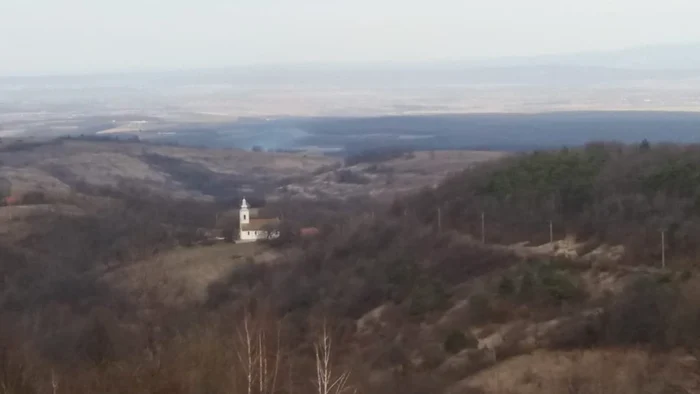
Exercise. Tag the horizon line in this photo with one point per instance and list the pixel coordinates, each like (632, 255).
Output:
(473, 62)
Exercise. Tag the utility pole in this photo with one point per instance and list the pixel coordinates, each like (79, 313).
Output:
(439, 217)
(551, 232)
(663, 249)
(483, 228)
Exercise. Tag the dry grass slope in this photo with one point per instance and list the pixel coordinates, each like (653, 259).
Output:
(614, 371)
(182, 276)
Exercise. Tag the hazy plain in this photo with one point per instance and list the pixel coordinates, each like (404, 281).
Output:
(163, 105)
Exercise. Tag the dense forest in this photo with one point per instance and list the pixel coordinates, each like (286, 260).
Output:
(387, 299)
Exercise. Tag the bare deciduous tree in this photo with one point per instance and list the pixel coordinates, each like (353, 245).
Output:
(258, 359)
(326, 381)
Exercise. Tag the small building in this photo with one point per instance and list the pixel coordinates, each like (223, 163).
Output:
(254, 229)
(308, 232)
(11, 200)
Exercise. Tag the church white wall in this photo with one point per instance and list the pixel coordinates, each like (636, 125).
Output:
(251, 236)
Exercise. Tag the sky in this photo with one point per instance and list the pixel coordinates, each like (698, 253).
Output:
(91, 36)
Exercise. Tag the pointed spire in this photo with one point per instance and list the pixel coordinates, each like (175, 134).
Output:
(244, 204)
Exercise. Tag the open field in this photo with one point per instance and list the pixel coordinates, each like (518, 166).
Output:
(182, 276)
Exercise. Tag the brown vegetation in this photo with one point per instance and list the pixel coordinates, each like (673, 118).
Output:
(379, 301)
(608, 192)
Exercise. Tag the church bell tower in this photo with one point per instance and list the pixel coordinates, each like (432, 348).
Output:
(244, 213)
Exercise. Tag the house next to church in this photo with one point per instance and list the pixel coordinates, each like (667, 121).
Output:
(253, 229)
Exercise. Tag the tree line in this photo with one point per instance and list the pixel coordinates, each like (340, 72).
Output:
(607, 192)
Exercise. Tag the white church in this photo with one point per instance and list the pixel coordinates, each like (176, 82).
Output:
(254, 229)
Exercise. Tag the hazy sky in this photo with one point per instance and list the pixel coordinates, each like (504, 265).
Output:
(76, 36)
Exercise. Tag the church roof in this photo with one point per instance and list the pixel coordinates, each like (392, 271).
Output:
(259, 224)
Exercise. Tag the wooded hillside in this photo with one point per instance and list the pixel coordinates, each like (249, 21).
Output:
(384, 299)
(605, 192)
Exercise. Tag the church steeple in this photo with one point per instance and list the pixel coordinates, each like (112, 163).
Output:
(244, 213)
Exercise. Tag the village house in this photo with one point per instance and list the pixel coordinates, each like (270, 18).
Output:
(308, 232)
(253, 229)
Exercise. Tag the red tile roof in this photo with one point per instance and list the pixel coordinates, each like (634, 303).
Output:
(309, 231)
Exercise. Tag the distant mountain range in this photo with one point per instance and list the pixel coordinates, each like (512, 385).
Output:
(653, 57)
(660, 63)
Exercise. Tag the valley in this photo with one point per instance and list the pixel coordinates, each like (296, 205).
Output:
(490, 230)
(430, 272)
(364, 197)
(62, 167)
